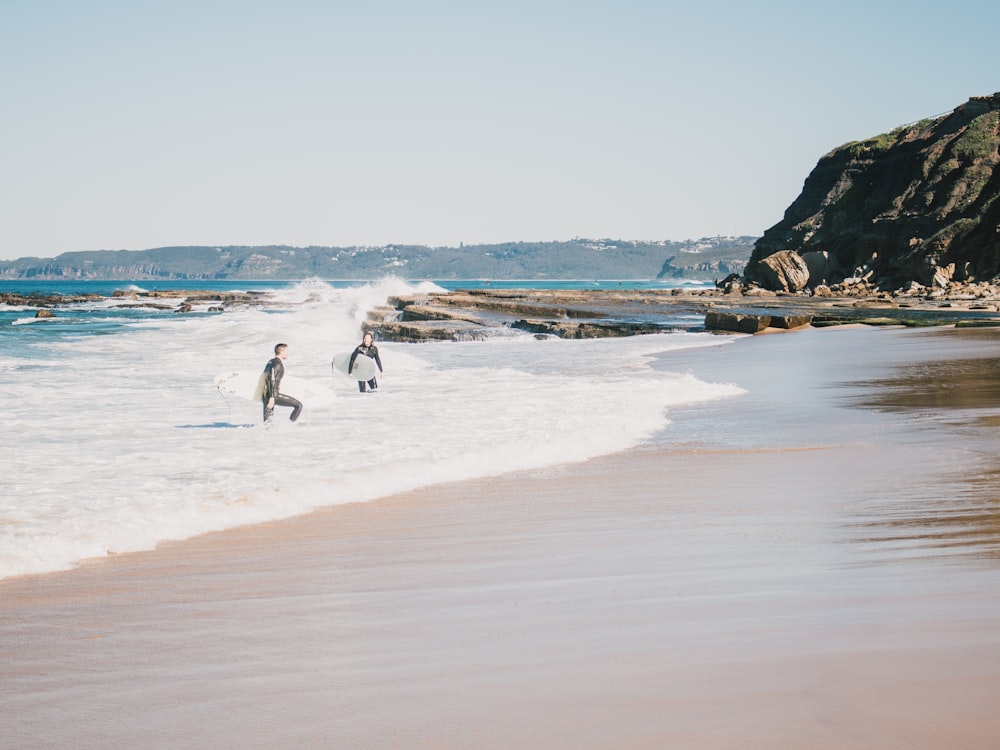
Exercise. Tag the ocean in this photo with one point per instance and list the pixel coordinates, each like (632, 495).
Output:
(118, 440)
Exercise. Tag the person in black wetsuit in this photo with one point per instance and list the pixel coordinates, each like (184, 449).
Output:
(367, 348)
(274, 371)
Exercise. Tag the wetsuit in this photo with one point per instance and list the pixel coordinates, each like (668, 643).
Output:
(368, 351)
(274, 371)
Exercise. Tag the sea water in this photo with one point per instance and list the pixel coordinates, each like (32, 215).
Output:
(116, 438)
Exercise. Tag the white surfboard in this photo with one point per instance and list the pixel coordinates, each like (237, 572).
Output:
(364, 367)
(244, 384)
(249, 384)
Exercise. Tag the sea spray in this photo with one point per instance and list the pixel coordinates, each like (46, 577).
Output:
(118, 439)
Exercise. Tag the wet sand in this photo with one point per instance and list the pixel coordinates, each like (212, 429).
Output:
(814, 564)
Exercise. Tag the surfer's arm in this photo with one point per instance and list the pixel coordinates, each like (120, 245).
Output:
(377, 359)
(354, 356)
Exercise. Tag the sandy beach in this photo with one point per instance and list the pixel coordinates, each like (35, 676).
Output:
(815, 564)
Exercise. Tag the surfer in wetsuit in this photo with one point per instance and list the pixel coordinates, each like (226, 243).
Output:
(368, 349)
(274, 371)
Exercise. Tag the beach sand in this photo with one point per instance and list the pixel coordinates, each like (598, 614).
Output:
(815, 564)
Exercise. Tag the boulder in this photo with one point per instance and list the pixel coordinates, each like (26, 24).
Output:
(732, 284)
(790, 321)
(941, 276)
(738, 322)
(785, 271)
(822, 267)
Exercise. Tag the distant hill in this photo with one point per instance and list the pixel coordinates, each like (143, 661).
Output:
(572, 259)
(918, 204)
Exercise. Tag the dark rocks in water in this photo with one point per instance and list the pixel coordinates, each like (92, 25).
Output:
(479, 313)
(202, 295)
(46, 300)
(580, 330)
(423, 313)
(45, 313)
(149, 305)
(140, 299)
(439, 330)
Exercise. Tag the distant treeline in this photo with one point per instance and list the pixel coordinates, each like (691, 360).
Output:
(706, 258)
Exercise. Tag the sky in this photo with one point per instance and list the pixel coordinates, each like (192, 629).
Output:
(132, 124)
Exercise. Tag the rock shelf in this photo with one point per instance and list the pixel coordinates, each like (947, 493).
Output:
(473, 314)
(478, 314)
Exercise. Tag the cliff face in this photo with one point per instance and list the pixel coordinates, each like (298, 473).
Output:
(919, 203)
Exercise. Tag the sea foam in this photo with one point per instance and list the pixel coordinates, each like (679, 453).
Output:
(119, 439)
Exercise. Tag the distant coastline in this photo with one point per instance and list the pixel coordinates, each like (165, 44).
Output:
(704, 259)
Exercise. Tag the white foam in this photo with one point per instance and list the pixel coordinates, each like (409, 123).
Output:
(122, 441)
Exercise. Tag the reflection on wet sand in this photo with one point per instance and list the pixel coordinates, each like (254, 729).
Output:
(966, 526)
(955, 402)
(949, 384)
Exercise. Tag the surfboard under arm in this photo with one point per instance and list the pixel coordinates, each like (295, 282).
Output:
(250, 385)
(364, 367)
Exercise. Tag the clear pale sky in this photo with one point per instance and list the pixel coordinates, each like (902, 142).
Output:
(130, 124)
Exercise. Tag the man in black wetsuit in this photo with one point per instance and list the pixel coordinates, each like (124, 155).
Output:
(274, 371)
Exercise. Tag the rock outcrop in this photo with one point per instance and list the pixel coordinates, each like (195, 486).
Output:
(476, 314)
(918, 204)
(479, 314)
(128, 298)
(551, 313)
(754, 322)
(784, 271)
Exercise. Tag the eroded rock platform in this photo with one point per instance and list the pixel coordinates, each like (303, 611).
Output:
(482, 313)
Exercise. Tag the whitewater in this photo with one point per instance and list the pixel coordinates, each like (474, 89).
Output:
(117, 439)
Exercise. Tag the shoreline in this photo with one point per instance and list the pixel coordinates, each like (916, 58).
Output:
(465, 314)
(728, 588)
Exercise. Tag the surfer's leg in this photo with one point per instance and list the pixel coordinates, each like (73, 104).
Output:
(373, 384)
(282, 400)
(361, 386)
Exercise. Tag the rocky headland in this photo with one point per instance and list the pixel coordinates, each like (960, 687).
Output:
(899, 229)
(910, 209)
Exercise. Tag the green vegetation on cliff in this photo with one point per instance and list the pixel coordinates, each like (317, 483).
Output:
(918, 203)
